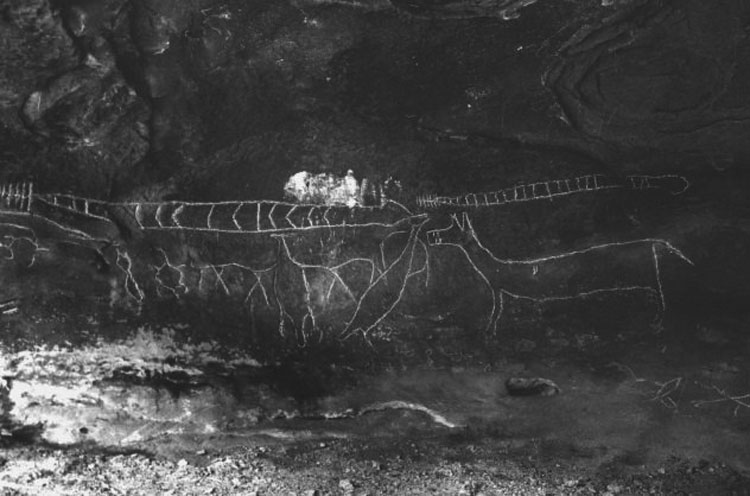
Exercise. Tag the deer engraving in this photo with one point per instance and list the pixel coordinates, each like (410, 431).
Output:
(603, 268)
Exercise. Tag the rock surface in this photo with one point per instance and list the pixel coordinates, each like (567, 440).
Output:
(567, 184)
(201, 101)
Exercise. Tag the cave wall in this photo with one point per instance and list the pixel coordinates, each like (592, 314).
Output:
(626, 122)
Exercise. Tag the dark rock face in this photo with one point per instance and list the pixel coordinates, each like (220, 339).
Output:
(35, 48)
(538, 180)
(689, 67)
(605, 111)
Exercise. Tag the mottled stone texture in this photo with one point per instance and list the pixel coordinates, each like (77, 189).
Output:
(159, 135)
(145, 100)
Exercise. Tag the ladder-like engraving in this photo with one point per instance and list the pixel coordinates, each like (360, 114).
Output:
(549, 190)
(17, 196)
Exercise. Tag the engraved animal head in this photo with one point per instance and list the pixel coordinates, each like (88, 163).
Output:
(459, 232)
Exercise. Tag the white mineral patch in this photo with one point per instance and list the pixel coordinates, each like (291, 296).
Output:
(145, 350)
(33, 107)
(296, 187)
(323, 189)
(67, 390)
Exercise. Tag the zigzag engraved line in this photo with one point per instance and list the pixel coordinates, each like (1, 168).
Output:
(84, 207)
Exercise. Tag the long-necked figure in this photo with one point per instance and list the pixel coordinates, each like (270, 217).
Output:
(625, 266)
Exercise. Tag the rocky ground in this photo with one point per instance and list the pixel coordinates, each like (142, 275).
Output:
(668, 416)
(112, 382)
(439, 464)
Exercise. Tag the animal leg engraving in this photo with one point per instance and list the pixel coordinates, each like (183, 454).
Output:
(132, 288)
(604, 268)
(179, 287)
(392, 281)
(666, 247)
(320, 282)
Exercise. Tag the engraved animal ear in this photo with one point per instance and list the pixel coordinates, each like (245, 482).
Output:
(456, 222)
(465, 223)
(460, 221)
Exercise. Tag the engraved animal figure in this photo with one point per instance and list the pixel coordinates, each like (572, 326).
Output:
(234, 249)
(387, 289)
(364, 288)
(28, 226)
(604, 268)
(161, 223)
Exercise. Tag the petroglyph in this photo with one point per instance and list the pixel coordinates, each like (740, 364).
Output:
(389, 286)
(131, 286)
(19, 243)
(548, 278)
(15, 238)
(323, 270)
(232, 217)
(344, 284)
(54, 216)
(85, 207)
(16, 196)
(370, 292)
(211, 269)
(549, 190)
(191, 275)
